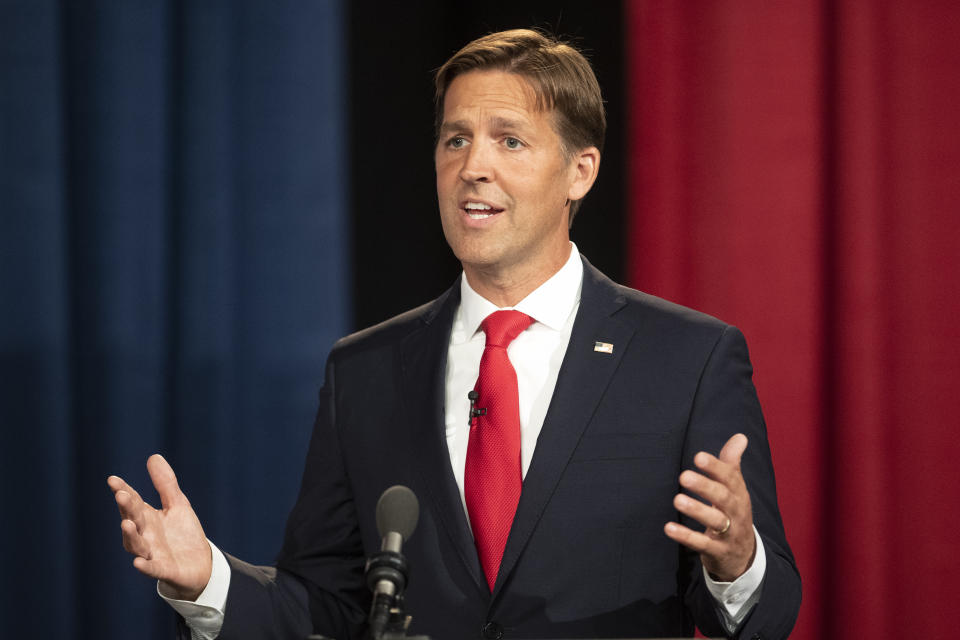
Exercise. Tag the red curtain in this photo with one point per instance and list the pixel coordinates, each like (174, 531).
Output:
(795, 170)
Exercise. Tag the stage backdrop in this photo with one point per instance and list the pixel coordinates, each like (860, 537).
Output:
(795, 169)
(173, 254)
(172, 274)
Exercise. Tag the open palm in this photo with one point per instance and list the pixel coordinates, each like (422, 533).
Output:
(167, 543)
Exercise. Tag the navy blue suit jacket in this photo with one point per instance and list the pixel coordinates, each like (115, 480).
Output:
(586, 556)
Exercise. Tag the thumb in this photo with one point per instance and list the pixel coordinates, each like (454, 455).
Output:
(733, 450)
(164, 481)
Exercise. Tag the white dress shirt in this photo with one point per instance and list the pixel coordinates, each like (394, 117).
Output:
(536, 354)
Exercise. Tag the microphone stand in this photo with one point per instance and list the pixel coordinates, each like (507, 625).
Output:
(387, 570)
(387, 577)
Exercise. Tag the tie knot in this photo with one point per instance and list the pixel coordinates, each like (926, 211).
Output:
(501, 327)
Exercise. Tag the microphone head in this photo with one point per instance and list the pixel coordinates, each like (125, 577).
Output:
(397, 510)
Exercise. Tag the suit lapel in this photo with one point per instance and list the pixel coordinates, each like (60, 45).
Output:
(583, 377)
(423, 362)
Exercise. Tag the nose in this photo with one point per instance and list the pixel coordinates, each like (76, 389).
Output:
(477, 164)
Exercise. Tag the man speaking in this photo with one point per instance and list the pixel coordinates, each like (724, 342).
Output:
(591, 461)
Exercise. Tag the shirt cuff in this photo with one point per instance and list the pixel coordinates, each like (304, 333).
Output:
(735, 599)
(205, 614)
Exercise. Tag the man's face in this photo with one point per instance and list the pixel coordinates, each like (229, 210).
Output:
(503, 182)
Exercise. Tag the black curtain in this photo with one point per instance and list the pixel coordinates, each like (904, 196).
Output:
(174, 266)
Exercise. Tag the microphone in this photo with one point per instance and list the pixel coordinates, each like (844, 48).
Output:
(474, 411)
(397, 513)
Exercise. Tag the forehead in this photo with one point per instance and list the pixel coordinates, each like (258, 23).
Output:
(492, 91)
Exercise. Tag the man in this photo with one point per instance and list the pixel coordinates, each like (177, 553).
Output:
(554, 499)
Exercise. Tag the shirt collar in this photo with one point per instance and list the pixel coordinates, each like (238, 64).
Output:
(549, 304)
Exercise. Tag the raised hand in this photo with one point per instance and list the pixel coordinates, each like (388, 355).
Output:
(728, 545)
(167, 544)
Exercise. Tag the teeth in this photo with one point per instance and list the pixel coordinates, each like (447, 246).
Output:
(478, 206)
(479, 216)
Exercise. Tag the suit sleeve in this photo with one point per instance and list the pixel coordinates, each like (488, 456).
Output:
(318, 584)
(726, 403)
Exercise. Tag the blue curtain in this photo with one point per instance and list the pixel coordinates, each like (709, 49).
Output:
(173, 271)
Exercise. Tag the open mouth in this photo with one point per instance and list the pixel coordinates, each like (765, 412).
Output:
(480, 210)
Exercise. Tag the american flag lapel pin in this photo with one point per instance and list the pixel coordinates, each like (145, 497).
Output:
(603, 347)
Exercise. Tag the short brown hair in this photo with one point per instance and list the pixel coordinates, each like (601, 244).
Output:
(560, 76)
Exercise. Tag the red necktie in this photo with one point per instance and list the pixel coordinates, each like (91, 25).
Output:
(492, 477)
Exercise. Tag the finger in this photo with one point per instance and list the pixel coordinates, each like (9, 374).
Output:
(699, 542)
(165, 481)
(132, 507)
(723, 472)
(716, 468)
(733, 450)
(133, 541)
(150, 568)
(710, 490)
(119, 484)
(726, 467)
(708, 516)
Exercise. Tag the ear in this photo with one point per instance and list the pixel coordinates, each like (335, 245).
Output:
(584, 166)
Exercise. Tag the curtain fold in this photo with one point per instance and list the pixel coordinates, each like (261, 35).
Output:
(174, 269)
(795, 172)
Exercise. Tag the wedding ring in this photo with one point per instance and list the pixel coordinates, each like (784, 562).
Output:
(726, 528)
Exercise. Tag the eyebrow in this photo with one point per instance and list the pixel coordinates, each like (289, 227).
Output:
(497, 123)
(456, 125)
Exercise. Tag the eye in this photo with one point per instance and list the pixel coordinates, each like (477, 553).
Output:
(512, 143)
(457, 142)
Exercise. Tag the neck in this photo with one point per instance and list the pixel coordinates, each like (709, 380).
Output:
(505, 287)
